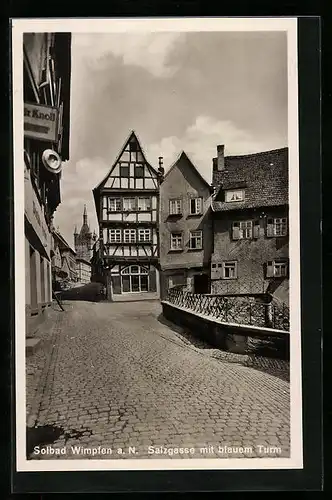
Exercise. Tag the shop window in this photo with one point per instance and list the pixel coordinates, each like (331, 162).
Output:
(135, 279)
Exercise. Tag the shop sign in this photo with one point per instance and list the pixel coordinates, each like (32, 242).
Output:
(41, 122)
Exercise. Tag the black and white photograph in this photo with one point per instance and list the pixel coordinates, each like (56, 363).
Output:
(157, 257)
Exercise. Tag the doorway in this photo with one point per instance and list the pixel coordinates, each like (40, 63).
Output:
(201, 283)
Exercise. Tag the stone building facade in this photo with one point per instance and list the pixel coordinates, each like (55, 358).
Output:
(67, 271)
(185, 228)
(83, 270)
(46, 93)
(250, 224)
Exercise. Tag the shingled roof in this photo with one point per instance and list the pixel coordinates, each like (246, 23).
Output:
(264, 176)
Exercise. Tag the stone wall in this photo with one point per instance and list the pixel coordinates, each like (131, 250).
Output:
(233, 338)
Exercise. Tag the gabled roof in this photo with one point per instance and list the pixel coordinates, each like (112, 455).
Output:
(63, 242)
(130, 137)
(264, 176)
(183, 155)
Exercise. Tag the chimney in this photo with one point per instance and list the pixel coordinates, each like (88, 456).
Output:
(220, 157)
(161, 169)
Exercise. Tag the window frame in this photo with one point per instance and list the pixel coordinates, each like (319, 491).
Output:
(129, 209)
(145, 231)
(116, 199)
(283, 224)
(129, 232)
(229, 191)
(228, 263)
(282, 263)
(191, 237)
(148, 206)
(196, 199)
(121, 174)
(177, 248)
(175, 201)
(238, 224)
(271, 225)
(138, 166)
(116, 232)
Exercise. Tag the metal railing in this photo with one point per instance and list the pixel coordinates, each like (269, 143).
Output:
(239, 310)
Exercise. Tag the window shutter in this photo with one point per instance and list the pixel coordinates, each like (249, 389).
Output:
(256, 230)
(270, 228)
(236, 231)
(269, 269)
(152, 280)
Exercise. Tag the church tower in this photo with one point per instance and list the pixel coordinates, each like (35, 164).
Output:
(83, 239)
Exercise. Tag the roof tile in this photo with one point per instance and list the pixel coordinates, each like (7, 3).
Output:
(265, 176)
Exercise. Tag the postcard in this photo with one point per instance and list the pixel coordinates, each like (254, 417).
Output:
(157, 244)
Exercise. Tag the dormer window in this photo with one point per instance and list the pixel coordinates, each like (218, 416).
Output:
(232, 195)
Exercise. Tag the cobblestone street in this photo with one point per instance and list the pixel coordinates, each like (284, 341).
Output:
(116, 375)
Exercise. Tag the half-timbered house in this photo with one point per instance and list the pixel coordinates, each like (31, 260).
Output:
(127, 204)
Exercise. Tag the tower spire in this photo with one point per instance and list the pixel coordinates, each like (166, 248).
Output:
(85, 216)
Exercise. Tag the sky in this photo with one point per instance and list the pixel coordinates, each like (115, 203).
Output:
(186, 91)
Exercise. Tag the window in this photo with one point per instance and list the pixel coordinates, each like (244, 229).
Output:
(114, 204)
(195, 206)
(133, 147)
(114, 236)
(129, 235)
(195, 240)
(135, 279)
(139, 171)
(144, 235)
(129, 204)
(229, 270)
(144, 204)
(276, 227)
(277, 269)
(177, 280)
(176, 241)
(234, 195)
(242, 230)
(124, 171)
(175, 207)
